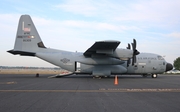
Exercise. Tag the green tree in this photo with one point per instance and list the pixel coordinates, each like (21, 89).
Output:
(177, 63)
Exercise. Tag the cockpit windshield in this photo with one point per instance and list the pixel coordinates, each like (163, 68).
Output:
(160, 58)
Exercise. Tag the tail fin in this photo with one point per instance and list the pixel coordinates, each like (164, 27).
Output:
(28, 41)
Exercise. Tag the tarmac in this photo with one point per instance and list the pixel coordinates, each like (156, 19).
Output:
(27, 93)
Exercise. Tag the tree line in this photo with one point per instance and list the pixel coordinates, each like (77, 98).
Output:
(177, 63)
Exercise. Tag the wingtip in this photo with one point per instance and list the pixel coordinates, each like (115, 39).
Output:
(11, 51)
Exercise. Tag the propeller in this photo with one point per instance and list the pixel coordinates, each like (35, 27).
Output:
(135, 52)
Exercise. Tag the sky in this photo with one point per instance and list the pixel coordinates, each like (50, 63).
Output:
(74, 25)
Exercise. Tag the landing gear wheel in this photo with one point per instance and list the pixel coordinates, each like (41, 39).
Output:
(99, 77)
(154, 76)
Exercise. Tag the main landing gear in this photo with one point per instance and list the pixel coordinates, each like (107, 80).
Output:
(100, 77)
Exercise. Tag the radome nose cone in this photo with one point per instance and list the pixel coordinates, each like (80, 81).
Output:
(169, 67)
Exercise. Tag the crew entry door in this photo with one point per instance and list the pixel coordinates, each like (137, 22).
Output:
(77, 66)
(142, 67)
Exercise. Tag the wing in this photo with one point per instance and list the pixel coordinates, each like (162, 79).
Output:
(102, 47)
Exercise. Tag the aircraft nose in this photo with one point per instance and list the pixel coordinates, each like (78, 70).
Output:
(169, 67)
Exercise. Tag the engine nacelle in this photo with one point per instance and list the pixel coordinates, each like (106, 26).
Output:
(123, 54)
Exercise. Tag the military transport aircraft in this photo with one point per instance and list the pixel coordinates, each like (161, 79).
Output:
(103, 58)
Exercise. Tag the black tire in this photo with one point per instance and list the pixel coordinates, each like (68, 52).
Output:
(37, 75)
(154, 75)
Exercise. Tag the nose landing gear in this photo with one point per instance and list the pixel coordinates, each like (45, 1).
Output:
(154, 75)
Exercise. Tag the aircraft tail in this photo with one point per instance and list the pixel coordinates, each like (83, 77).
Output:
(28, 41)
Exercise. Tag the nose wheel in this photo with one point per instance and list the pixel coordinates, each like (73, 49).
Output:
(154, 75)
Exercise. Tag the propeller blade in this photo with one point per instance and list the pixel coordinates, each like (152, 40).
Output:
(135, 59)
(134, 41)
(129, 47)
(132, 61)
(128, 62)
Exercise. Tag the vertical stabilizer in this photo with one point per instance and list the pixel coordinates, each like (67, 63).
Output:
(28, 41)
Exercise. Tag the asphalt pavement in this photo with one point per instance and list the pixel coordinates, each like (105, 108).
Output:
(27, 93)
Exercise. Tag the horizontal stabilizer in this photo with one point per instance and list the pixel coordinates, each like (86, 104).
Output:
(22, 53)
